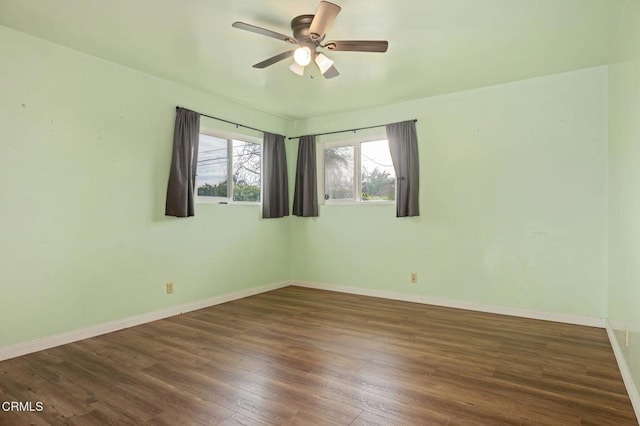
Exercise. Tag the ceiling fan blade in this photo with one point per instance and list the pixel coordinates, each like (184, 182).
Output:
(331, 72)
(263, 31)
(358, 45)
(272, 60)
(323, 19)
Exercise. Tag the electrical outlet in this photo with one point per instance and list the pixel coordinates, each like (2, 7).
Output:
(414, 278)
(626, 337)
(169, 288)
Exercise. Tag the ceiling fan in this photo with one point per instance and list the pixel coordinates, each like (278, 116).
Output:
(309, 32)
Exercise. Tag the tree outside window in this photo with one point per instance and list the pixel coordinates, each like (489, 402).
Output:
(217, 157)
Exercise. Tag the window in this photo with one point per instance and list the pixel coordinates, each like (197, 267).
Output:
(228, 166)
(359, 172)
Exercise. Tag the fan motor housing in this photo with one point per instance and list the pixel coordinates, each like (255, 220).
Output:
(300, 27)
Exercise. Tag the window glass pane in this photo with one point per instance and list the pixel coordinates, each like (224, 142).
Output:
(246, 171)
(339, 173)
(378, 174)
(212, 167)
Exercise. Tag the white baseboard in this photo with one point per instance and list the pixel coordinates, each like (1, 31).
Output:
(629, 383)
(24, 348)
(36, 345)
(429, 300)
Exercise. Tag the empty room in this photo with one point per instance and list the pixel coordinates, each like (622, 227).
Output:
(304, 212)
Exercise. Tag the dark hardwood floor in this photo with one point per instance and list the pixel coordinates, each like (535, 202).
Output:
(298, 356)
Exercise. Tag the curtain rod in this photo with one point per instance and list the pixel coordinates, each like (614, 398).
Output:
(226, 121)
(348, 130)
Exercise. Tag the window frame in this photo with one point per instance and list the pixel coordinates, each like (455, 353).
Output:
(357, 167)
(230, 137)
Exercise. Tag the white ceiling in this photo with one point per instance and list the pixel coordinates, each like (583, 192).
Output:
(435, 46)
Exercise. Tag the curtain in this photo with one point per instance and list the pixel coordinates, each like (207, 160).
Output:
(403, 145)
(182, 176)
(275, 192)
(305, 197)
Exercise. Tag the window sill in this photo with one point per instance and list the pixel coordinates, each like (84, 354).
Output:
(227, 202)
(359, 203)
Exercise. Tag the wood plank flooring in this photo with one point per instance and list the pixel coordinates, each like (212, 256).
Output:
(297, 356)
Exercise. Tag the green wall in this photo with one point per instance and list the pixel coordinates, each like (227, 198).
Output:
(513, 198)
(624, 183)
(85, 151)
(513, 201)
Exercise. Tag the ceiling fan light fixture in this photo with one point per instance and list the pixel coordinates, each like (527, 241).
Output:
(298, 69)
(302, 56)
(309, 31)
(323, 63)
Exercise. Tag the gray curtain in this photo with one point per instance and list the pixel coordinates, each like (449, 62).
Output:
(182, 176)
(305, 197)
(403, 145)
(275, 192)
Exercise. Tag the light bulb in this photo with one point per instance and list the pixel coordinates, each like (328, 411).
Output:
(298, 69)
(323, 62)
(302, 56)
